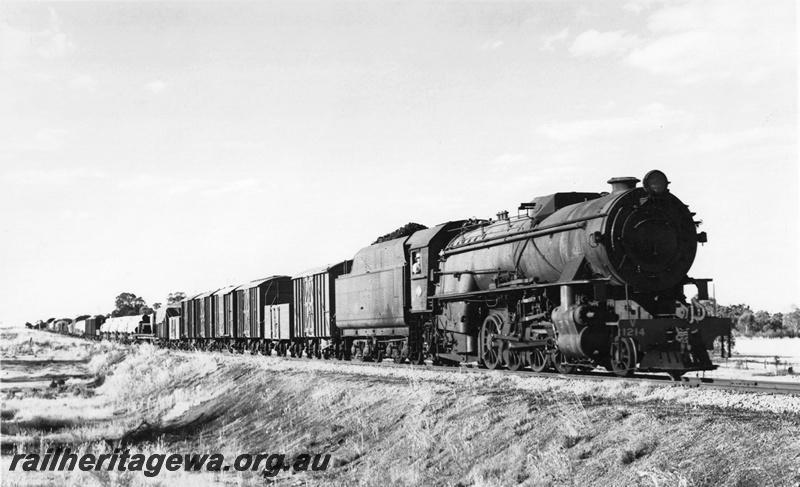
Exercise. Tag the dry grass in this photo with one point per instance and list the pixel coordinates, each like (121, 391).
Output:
(401, 427)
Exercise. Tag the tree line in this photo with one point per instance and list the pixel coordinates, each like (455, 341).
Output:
(762, 323)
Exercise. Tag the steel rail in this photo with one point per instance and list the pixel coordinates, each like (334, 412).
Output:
(766, 387)
(740, 385)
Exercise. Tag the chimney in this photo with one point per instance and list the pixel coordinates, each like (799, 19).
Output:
(622, 184)
(503, 215)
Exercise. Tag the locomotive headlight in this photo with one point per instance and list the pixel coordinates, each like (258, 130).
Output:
(655, 183)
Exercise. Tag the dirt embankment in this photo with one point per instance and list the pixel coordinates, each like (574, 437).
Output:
(407, 427)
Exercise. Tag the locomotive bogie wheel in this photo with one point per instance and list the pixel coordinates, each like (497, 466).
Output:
(397, 357)
(561, 365)
(514, 360)
(491, 349)
(538, 360)
(623, 357)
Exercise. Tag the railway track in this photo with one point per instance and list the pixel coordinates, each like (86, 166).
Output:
(740, 385)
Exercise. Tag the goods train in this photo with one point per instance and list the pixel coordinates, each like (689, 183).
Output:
(574, 281)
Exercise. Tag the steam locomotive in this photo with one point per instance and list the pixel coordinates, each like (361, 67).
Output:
(574, 281)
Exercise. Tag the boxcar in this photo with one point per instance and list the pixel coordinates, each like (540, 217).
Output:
(174, 327)
(205, 307)
(278, 328)
(189, 319)
(64, 325)
(93, 325)
(314, 328)
(79, 328)
(162, 320)
(223, 312)
(252, 299)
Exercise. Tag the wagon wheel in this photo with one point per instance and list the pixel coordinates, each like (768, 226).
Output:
(561, 365)
(623, 357)
(361, 354)
(514, 360)
(397, 357)
(538, 359)
(491, 349)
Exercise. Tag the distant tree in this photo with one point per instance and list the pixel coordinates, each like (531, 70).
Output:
(791, 321)
(746, 322)
(403, 231)
(145, 310)
(156, 306)
(762, 320)
(176, 297)
(733, 311)
(127, 304)
(776, 321)
(28, 325)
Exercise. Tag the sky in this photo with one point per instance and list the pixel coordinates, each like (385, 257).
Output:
(152, 147)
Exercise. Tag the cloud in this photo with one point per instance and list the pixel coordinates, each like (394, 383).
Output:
(637, 6)
(145, 181)
(649, 118)
(172, 185)
(234, 187)
(163, 183)
(553, 39)
(50, 139)
(597, 44)
(84, 82)
(74, 215)
(696, 41)
(54, 177)
(721, 141)
(491, 46)
(54, 43)
(509, 159)
(15, 44)
(156, 87)
(20, 46)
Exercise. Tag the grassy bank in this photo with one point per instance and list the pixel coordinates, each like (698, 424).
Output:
(402, 427)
